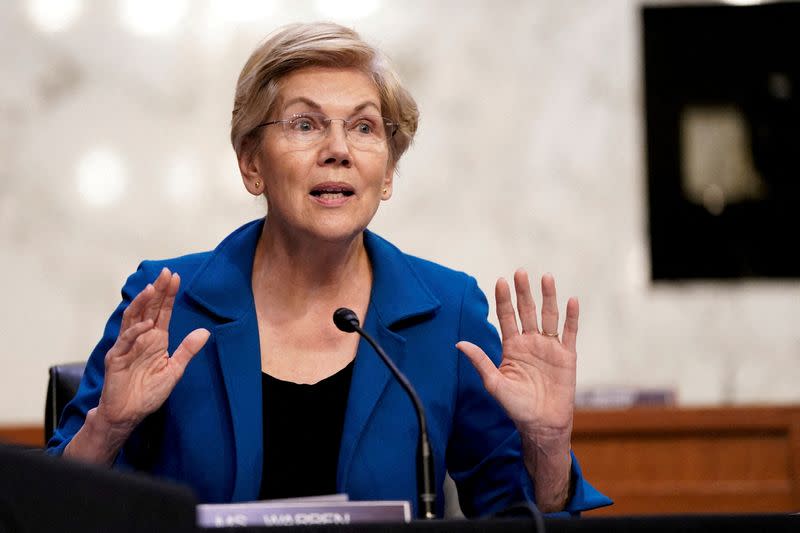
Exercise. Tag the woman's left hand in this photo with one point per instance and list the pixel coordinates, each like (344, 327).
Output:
(535, 382)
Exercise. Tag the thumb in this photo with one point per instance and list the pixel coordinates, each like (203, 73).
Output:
(483, 364)
(192, 344)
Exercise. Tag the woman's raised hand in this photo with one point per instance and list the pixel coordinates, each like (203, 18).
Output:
(139, 373)
(535, 382)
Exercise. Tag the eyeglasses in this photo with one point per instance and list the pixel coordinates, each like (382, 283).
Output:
(308, 128)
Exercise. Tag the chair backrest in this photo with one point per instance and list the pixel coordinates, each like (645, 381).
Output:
(61, 388)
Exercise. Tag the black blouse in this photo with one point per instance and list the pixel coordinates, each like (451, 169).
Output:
(302, 434)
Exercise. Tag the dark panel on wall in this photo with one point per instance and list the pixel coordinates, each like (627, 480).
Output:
(723, 140)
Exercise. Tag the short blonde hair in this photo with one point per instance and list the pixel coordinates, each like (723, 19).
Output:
(298, 46)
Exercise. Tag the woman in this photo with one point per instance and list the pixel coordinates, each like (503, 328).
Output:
(262, 395)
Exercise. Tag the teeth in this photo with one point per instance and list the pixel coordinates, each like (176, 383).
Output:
(330, 195)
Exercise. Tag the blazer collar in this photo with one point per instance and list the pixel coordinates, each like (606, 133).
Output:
(223, 282)
(398, 293)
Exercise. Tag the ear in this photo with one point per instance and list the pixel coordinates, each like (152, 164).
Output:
(388, 182)
(250, 169)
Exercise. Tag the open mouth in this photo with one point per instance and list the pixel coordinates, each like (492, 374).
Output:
(332, 192)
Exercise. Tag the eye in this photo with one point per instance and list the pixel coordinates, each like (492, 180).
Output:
(364, 126)
(305, 124)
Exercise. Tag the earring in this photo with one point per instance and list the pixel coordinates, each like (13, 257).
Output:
(385, 190)
(257, 184)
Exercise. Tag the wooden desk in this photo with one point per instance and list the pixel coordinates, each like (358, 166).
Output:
(672, 460)
(29, 435)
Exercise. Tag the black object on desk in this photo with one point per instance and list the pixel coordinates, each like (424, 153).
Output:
(39, 493)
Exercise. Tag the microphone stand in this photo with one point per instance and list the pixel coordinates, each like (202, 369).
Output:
(347, 321)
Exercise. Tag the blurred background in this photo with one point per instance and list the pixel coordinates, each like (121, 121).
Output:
(532, 151)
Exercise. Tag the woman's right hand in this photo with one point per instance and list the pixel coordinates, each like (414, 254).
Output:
(139, 372)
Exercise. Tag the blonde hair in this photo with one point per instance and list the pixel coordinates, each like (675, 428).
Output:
(297, 46)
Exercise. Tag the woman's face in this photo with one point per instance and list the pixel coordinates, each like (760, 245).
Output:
(329, 188)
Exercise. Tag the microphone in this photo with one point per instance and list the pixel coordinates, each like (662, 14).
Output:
(346, 320)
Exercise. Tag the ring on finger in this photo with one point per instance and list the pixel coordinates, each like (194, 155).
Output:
(554, 335)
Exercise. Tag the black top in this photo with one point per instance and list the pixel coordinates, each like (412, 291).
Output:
(302, 433)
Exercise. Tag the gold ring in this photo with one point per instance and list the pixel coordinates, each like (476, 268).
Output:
(550, 334)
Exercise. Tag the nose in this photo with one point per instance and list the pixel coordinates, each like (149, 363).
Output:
(335, 150)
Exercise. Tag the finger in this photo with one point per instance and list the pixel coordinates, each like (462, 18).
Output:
(165, 313)
(160, 286)
(483, 364)
(549, 305)
(526, 305)
(126, 339)
(571, 325)
(133, 313)
(505, 310)
(192, 344)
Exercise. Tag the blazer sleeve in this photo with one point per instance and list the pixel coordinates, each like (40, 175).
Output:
(88, 394)
(484, 453)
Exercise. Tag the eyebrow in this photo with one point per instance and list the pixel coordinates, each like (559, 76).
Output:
(302, 100)
(315, 105)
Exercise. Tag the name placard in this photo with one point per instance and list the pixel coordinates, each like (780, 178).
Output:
(295, 513)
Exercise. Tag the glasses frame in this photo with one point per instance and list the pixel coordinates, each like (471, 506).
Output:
(391, 127)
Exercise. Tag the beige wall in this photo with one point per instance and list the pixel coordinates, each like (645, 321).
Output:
(530, 153)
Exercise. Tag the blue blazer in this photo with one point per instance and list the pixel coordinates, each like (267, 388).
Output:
(209, 435)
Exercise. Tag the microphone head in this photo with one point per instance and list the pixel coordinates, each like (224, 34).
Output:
(345, 319)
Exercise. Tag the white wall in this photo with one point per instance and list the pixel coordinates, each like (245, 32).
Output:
(530, 153)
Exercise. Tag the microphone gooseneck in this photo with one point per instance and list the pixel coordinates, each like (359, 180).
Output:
(346, 320)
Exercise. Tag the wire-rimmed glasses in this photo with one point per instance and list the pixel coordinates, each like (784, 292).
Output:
(310, 127)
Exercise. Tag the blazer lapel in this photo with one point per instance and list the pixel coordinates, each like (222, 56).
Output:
(370, 378)
(240, 359)
(397, 295)
(223, 287)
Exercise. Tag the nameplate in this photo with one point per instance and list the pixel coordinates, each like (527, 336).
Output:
(283, 513)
